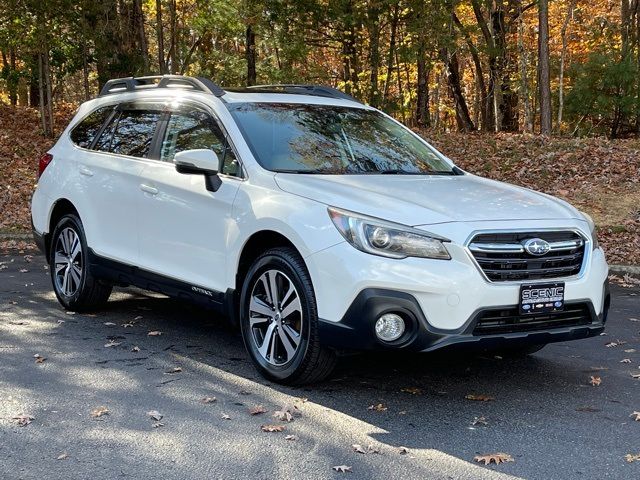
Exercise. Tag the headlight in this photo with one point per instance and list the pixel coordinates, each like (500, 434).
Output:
(592, 228)
(387, 239)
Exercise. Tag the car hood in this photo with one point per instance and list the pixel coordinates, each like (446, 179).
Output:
(427, 199)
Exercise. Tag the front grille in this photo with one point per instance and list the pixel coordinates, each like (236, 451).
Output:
(502, 256)
(509, 320)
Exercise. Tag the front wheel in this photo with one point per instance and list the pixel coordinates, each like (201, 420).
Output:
(73, 282)
(279, 320)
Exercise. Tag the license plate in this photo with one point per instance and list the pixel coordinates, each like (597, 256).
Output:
(541, 298)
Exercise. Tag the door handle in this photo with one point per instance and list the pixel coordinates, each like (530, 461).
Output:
(85, 171)
(148, 189)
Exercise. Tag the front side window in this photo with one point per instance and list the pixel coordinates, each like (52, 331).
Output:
(130, 132)
(328, 139)
(197, 130)
(83, 133)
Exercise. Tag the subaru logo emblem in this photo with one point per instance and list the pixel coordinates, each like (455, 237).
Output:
(537, 247)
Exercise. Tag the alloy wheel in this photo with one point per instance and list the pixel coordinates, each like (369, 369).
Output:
(68, 262)
(275, 317)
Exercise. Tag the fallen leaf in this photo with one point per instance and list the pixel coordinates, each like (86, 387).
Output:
(630, 350)
(39, 358)
(403, 450)
(634, 319)
(224, 416)
(358, 448)
(99, 412)
(62, 456)
(23, 420)
(135, 349)
(635, 416)
(588, 409)
(272, 428)
(625, 360)
(412, 390)
(112, 343)
(283, 415)
(174, 370)
(154, 333)
(496, 458)
(208, 400)
(128, 325)
(257, 410)
(595, 381)
(372, 449)
(158, 425)
(139, 317)
(342, 468)
(635, 375)
(479, 421)
(109, 324)
(155, 415)
(291, 438)
(380, 407)
(611, 345)
(632, 458)
(23, 270)
(479, 398)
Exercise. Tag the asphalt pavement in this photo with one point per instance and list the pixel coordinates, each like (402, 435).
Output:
(409, 413)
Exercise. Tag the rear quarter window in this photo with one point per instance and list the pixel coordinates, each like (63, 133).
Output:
(84, 133)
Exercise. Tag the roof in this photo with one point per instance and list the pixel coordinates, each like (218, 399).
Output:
(285, 93)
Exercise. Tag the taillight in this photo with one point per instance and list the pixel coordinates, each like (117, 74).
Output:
(44, 162)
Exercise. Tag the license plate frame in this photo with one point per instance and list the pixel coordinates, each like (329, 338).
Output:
(541, 298)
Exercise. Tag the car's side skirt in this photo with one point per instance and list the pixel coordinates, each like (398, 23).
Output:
(124, 275)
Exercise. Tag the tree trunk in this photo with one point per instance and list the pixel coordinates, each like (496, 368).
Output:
(563, 56)
(524, 77)
(463, 119)
(422, 110)
(374, 55)
(173, 32)
(485, 100)
(250, 54)
(392, 47)
(142, 37)
(543, 68)
(160, 38)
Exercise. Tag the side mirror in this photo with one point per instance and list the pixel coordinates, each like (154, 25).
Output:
(200, 162)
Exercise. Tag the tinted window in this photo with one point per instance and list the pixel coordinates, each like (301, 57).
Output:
(133, 133)
(83, 134)
(104, 142)
(334, 140)
(195, 130)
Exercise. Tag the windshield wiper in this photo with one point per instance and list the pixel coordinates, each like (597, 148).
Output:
(404, 172)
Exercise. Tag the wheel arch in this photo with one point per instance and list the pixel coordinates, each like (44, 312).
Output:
(60, 208)
(256, 244)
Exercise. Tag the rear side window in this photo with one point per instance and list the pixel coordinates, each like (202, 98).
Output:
(130, 134)
(84, 133)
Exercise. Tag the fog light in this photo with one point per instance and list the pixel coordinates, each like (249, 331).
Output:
(389, 327)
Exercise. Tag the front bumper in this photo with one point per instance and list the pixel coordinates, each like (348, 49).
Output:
(356, 329)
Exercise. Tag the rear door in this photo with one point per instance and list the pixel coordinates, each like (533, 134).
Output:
(109, 178)
(183, 226)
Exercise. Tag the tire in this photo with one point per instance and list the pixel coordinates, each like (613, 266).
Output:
(520, 352)
(281, 337)
(74, 284)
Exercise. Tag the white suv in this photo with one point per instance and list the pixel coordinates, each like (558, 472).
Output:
(320, 225)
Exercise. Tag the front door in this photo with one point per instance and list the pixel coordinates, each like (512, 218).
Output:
(183, 226)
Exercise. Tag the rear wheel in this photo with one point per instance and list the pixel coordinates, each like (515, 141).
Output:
(279, 320)
(73, 281)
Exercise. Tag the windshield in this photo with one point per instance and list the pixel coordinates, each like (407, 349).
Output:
(327, 139)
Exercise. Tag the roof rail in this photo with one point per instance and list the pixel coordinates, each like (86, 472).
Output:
(317, 90)
(130, 84)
